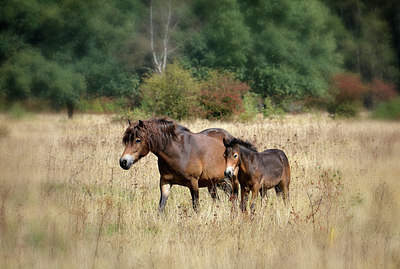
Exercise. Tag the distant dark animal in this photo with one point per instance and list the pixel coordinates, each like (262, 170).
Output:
(184, 158)
(258, 171)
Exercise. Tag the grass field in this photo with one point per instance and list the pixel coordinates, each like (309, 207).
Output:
(66, 203)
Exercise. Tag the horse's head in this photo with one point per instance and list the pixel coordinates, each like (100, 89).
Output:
(232, 156)
(136, 146)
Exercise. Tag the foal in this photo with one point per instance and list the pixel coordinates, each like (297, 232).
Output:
(258, 171)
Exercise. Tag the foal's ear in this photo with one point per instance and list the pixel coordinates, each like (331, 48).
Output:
(129, 122)
(141, 124)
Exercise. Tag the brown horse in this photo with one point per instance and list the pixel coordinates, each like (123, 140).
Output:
(184, 158)
(258, 171)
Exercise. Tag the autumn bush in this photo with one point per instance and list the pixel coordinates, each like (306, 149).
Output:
(382, 91)
(346, 92)
(221, 95)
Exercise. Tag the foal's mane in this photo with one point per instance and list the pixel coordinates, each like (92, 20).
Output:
(157, 132)
(236, 141)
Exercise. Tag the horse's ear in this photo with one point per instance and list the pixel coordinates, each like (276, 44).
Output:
(129, 122)
(141, 124)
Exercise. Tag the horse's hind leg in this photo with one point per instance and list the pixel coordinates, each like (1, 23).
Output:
(165, 186)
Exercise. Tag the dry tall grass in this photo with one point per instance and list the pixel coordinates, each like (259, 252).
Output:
(65, 203)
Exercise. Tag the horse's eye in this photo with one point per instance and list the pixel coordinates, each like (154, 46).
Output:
(137, 141)
(235, 155)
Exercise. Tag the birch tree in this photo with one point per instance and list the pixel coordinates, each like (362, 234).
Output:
(167, 27)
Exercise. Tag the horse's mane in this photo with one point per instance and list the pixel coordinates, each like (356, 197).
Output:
(157, 132)
(236, 141)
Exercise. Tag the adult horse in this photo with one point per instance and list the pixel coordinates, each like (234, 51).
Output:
(184, 158)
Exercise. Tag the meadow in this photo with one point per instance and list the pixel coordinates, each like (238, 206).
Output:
(66, 203)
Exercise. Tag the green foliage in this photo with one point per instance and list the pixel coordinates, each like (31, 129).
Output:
(223, 42)
(221, 96)
(173, 93)
(389, 110)
(344, 109)
(61, 50)
(250, 105)
(366, 42)
(293, 49)
(133, 114)
(17, 111)
(271, 110)
(4, 131)
(102, 105)
(65, 50)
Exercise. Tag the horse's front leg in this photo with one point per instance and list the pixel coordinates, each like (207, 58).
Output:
(194, 191)
(165, 186)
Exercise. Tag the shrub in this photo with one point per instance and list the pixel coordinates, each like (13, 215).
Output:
(381, 91)
(173, 93)
(101, 105)
(347, 87)
(271, 110)
(3, 131)
(344, 109)
(17, 111)
(134, 114)
(347, 91)
(221, 95)
(389, 110)
(250, 105)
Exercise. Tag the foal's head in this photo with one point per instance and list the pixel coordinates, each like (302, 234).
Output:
(136, 145)
(232, 154)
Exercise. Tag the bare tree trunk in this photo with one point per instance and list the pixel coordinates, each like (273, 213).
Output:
(70, 108)
(158, 67)
(160, 62)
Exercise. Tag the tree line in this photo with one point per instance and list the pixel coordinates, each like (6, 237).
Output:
(67, 51)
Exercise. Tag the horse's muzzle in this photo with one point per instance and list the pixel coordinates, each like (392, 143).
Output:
(126, 162)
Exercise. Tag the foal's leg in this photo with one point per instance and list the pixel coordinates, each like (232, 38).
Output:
(244, 197)
(264, 194)
(194, 191)
(235, 189)
(213, 192)
(285, 196)
(225, 185)
(165, 186)
(254, 194)
(280, 189)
